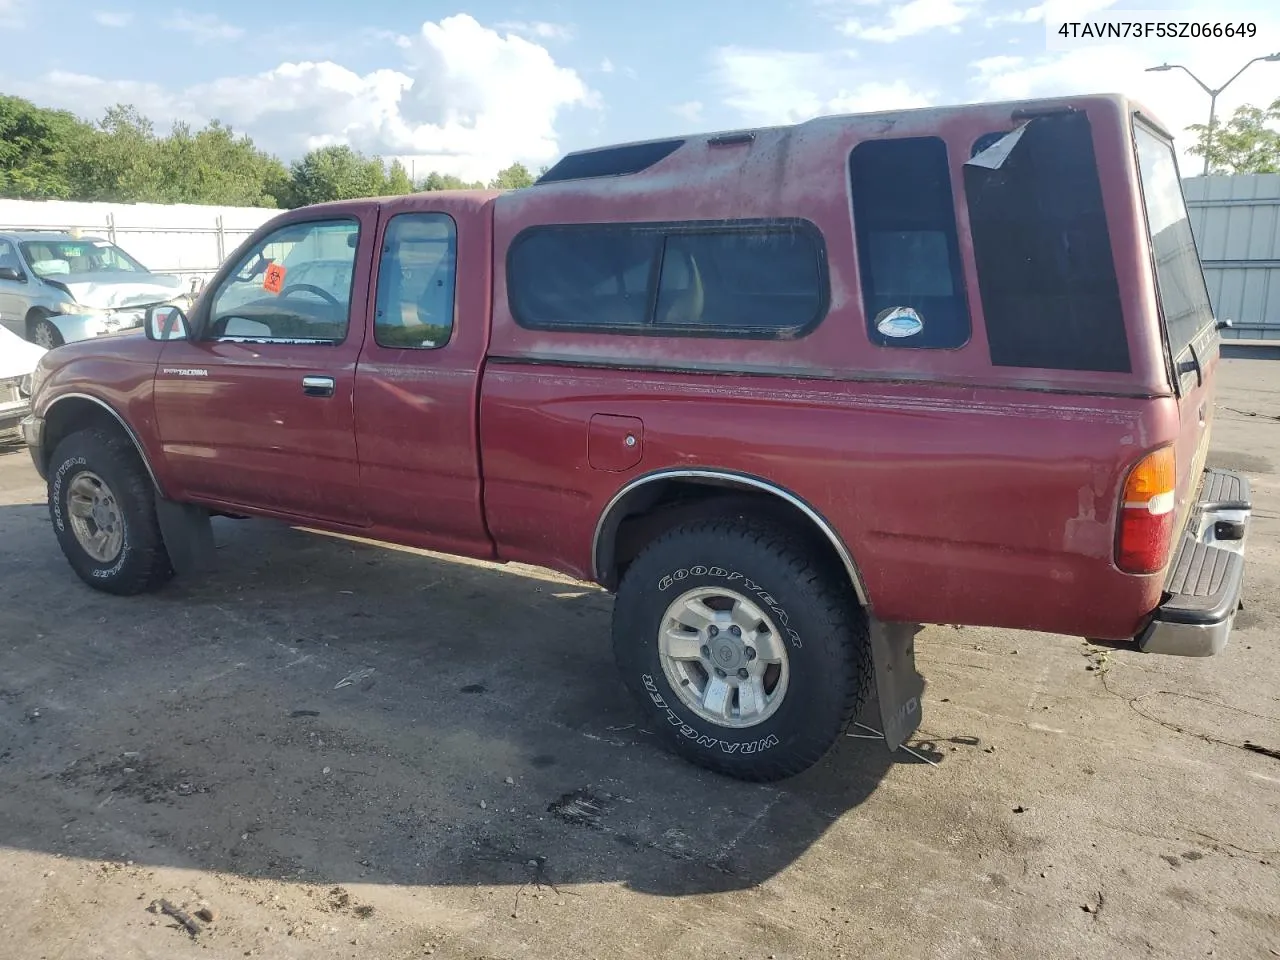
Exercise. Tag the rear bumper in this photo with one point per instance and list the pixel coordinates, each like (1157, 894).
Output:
(1202, 588)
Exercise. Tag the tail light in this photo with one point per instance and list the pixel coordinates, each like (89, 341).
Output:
(1147, 514)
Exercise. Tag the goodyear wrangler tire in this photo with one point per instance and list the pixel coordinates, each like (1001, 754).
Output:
(746, 653)
(102, 505)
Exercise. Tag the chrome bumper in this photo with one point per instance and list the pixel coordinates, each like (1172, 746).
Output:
(1203, 586)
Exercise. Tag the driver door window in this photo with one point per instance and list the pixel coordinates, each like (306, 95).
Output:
(294, 286)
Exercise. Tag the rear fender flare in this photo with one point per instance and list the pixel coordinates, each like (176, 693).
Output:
(611, 516)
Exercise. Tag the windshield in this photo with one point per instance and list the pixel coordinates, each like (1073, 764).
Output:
(1184, 299)
(54, 258)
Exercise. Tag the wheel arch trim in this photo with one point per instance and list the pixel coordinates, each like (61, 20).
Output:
(124, 425)
(604, 534)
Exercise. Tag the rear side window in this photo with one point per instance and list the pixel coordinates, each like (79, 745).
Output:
(1040, 242)
(415, 282)
(908, 252)
(738, 278)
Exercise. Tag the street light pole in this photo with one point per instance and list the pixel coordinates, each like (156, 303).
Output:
(1213, 95)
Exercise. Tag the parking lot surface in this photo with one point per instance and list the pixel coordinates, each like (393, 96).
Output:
(345, 750)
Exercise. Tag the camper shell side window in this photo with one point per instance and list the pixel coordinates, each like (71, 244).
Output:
(904, 219)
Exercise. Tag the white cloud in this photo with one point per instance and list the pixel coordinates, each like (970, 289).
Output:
(873, 96)
(467, 101)
(112, 18)
(606, 66)
(1070, 9)
(1029, 15)
(540, 29)
(912, 19)
(690, 110)
(12, 13)
(778, 86)
(377, 35)
(203, 27)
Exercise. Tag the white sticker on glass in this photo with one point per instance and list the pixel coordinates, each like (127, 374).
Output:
(899, 322)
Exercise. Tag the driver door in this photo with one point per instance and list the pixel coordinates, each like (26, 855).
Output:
(255, 412)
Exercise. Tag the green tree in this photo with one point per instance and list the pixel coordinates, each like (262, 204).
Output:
(447, 181)
(1247, 143)
(119, 161)
(336, 173)
(215, 166)
(36, 146)
(121, 158)
(397, 183)
(513, 177)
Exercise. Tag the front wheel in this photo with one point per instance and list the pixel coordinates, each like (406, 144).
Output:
(748, 655)
(45, 334)
(103, 508)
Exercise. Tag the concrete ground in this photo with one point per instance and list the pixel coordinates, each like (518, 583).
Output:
(480, 787)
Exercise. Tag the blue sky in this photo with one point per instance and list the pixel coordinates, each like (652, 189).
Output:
(469, 85)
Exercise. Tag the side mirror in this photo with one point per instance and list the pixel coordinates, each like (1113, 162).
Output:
(1225, 324)
(166, 322)
(12, 273)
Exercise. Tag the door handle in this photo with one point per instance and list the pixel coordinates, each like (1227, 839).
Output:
(317, 386)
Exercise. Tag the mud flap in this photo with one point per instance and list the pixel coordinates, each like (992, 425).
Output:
(899, 687)
(188, 535)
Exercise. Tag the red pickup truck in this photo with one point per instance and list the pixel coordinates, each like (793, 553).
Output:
(790, 392)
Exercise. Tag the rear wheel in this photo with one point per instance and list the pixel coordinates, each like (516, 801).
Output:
(102, 505)
(749, 656)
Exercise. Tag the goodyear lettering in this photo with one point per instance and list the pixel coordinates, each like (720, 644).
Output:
(57, 490)
(732, 576)
(689, 733)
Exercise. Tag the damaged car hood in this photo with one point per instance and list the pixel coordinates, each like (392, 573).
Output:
(17, 357)
(106, 291)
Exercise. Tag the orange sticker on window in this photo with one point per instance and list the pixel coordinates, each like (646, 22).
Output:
(273, 281)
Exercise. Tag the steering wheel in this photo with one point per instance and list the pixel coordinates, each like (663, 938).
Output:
(324, 295)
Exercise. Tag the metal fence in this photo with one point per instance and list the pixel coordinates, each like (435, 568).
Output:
(1236, 221)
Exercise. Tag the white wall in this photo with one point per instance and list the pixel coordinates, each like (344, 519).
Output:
(184, 239)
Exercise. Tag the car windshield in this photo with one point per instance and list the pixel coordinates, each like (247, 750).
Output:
(53, 258)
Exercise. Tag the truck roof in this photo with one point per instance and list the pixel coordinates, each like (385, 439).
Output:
(637, 156)
(597, 167)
